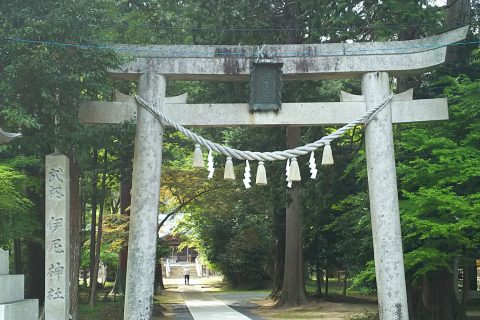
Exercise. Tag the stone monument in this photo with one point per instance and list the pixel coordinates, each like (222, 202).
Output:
(57, 237)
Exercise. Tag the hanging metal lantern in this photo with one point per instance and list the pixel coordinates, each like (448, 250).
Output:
(265, 86)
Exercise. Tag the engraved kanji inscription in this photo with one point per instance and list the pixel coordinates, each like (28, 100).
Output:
(56, 246)
(54, 224)
(54, 294)
(55, 271)
(55, 174)
(56, 192)
(56, 188)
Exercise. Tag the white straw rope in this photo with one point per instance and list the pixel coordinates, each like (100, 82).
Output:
(264, 156)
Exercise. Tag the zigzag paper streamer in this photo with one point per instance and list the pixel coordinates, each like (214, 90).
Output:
(287, 173)
(247, 175)
(210, 167)
(313, 166)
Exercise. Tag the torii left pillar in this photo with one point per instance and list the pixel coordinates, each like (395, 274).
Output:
(382, 189)
(145, 200)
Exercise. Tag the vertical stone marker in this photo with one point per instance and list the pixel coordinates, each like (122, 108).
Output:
(57, 237)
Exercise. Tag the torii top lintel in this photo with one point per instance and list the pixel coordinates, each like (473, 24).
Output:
(6, 137)
(302, 61)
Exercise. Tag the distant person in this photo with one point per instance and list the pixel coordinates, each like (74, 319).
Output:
(186, 275)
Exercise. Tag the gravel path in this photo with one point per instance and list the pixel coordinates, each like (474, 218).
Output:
(180, 312)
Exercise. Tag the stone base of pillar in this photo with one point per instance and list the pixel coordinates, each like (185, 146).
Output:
(19, 310)
(13, 306)
(11, 287)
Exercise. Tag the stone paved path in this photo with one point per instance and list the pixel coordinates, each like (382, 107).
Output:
(242, 301)
(204, 306)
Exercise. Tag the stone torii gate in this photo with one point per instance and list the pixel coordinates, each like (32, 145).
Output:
(373, 63)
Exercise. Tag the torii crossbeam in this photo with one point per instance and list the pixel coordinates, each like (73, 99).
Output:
(372, 62)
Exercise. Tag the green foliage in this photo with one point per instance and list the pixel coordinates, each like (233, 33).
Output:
(232, 235)
(244, 259)
(438, 175)
(16, 219)
(352, 229)
(41, 82)
(439, 178)
(426, 260)
(365, 280)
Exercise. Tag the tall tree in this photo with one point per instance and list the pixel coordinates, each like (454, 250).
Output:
(293, 290)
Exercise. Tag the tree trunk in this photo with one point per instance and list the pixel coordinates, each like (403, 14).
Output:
(438, 298)
(75, 227)
(279, 232)
(406, 82)
(93, 291)
(125, 201)
(345, 283)
(35, 286)
(93, 224)
(326, 278)
(121, 274)
(293, 290)
(35, 256)
(319, 276)
(465, 283)
(17, 249)
(84, 234)
(84, 277)
(472, 271)
(159, 277)
(458, 15)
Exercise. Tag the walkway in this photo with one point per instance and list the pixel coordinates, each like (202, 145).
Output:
(203, 306)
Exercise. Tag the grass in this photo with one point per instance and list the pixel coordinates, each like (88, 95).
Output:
(169, 297)
(103, 310)
(356, 305)
(318, 309)
(227, 289)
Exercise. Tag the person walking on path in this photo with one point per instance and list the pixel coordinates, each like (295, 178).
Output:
(186, 275)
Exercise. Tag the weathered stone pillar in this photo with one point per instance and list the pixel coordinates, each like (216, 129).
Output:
(382, 185)
(145, 200)
(57, 237)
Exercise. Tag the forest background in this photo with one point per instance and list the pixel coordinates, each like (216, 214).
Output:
(44, 75)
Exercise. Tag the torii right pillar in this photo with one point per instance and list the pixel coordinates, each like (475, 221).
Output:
(385, 215)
